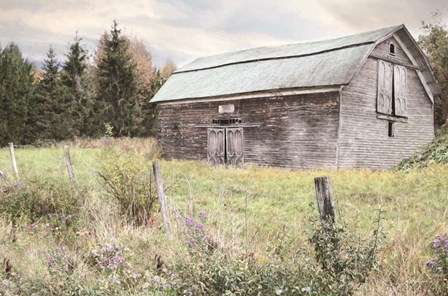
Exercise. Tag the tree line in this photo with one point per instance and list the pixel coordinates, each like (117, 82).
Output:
(111, 95)
(80, 98)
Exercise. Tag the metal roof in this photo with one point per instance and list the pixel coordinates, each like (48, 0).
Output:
(305, 65)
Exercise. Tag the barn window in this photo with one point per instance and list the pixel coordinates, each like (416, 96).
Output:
(226, 121)
(392, 95)
(391, 48)
(390, 129)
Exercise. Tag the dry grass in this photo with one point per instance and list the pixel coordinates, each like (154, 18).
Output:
(247, 208)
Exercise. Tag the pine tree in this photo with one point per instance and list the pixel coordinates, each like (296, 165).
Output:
(77, 77)
(16, 90)
(117, 87)
(52, 107)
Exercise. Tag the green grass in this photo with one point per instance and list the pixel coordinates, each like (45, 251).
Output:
(247, 208)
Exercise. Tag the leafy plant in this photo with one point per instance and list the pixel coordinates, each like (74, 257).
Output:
(345, 261)
(126, 176)
(40, 198)
(434, 152)
(439, 264)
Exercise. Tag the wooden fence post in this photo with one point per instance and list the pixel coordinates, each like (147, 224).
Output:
(161, 196)
(13, 160)
(3, 177)
(325, 203)
(68, 163)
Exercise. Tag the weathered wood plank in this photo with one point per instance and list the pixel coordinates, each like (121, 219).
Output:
(324, 195)
(162, 197)
(298, 131)
(68, 163)
(13, 161)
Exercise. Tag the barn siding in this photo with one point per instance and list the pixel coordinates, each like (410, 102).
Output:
(382, 51)
(296, 131)
(364, 140)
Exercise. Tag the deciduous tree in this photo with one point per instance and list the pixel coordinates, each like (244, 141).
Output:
(434, 43)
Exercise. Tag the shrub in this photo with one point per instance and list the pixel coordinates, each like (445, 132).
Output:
(434, 152)
(340, 263)
(42, 198)
(126, 176)
(344, 260)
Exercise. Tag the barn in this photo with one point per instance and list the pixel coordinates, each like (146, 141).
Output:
(365, 100)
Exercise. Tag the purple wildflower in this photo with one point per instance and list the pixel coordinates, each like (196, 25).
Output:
(189, 221)
(436, 243)
(202, 214)
(199, 226)
(430, 263)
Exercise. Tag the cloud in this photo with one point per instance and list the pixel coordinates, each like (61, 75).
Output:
(183, 30)
(358, 16)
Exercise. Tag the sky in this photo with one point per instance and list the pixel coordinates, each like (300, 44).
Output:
(182, 30)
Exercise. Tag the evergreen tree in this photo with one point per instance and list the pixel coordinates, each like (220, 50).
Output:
(53, 109)
(117, 87)
(77, 77)
(16, 90)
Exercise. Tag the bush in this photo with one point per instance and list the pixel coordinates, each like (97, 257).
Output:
(434, 152)
(345, 261)
(42, 198)
(126, 176)
(340, 263)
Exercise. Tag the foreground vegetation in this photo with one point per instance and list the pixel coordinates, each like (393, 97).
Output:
(248, 231)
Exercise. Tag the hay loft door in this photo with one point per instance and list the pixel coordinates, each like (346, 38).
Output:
(225, 145)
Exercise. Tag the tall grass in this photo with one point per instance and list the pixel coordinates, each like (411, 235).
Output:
(254, 211)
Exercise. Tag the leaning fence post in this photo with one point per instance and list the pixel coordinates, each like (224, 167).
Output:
(13, 160)
(68, 163)
(161, 196)
(325, 203)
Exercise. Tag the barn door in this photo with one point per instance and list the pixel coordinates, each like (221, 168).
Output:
(385, 76)
(234, 146)
(225, 145)
(216, 146)
(400, 90)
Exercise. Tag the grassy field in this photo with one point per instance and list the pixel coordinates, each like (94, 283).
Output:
(248, 211)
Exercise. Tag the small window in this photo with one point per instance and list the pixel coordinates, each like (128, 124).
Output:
(391, 49)
(226, 121)
(390, 129)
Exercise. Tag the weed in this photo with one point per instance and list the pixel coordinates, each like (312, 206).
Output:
(126, 176)
(439, 264)
(40, 198)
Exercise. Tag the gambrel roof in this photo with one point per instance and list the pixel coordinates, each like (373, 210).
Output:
(311, 65)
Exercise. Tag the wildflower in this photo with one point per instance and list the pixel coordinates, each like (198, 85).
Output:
(189, 221)
(436, 243)
(430, 263)
(278, 291)
(202, 214)
(306, 289)
(145, 285)
(199, 226)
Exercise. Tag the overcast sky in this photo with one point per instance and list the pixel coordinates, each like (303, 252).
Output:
(185, 29)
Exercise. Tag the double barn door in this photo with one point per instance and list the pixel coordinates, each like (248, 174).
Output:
(225, 145)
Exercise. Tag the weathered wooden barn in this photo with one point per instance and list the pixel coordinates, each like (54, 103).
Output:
(359, 101)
